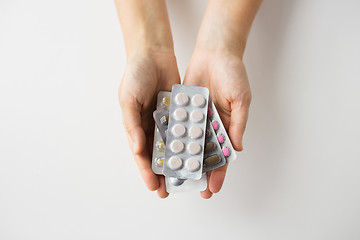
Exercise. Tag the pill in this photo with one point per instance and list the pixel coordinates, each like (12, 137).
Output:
(161, 145)
(208, 133)
(176, 146)
(194, 148)
(176, 181)
(166, 101)
(180, 114)
(196, 116)
(195, 132)
(175, 163)
(215, 125)
(220, 138)
(182, 99)
(210, 112)
(198, 100)
(212, 160)
(178, 130)
(164, 119)
(159, 162)
(226, 151)
(192, 164)
(210, 146)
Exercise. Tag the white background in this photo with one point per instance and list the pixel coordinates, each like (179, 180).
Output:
(65, 168)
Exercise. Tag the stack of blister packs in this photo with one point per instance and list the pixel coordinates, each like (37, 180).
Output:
(189, 138)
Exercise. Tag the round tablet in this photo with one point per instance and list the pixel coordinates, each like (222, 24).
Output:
(176, 146)
(192, 164)
(175, 163)
(210, 112)
(194, 148)
(176, 181)
(196, 116)
(226, 151)
(198, 100)
(180, 114)
(220, 138)
(215, 125)
(195, 132)
(178, 130)
(182, 99)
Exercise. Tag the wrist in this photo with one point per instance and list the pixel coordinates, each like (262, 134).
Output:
(145, 25)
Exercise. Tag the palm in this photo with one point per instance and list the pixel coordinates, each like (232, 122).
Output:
(144, 77)
(225, 77)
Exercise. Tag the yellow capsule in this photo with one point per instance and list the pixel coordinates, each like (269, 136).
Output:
(166, 101)
(161, 145)
(160, 162)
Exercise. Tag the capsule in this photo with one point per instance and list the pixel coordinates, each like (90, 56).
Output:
(210, 146)
(165, 119)
(166, 101)
(212, 160)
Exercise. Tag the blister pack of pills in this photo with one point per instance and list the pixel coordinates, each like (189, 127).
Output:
(174, 185)
(185, 137)
(221, 134)
(161, 117)
(213, 155)
(158, 156)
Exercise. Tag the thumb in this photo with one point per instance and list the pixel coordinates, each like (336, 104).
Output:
(132, 123)
(238, 119)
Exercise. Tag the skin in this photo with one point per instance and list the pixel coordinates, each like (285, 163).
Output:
(217, 63)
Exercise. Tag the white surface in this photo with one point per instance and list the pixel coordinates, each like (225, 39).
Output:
(65, 168)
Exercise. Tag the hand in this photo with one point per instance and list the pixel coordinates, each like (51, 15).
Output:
(146, 74)
(224, 74)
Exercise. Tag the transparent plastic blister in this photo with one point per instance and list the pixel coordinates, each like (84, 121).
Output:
(213, 155)
(221, 134)
(158, 156)
(161, 117)
(186, 132)
(174, 185)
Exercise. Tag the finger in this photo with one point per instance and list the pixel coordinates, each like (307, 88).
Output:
(217, 179)
(207, 193)
(161, 191)
(239, 117)
(137, 141)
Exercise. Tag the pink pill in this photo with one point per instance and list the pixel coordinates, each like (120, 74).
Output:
(220, 138)
(226, 151)
(210, 112)
(215, 125)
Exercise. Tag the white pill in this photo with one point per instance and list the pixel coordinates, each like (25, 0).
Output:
(178, 130)
(176, 146)
(198, 100)
(175, 163)
(195, 132)
(194, 148)
(196, 116)
(182, 99)
(192, 164)
(180, 114)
